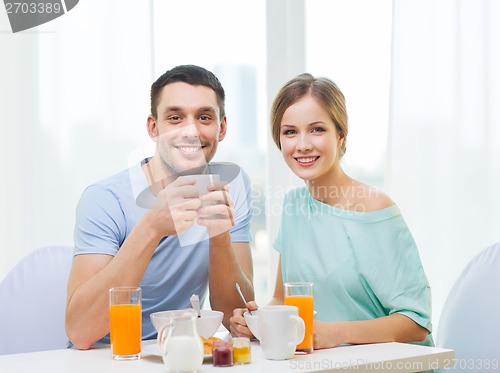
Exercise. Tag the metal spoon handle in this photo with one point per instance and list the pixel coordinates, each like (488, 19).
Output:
(242, 297)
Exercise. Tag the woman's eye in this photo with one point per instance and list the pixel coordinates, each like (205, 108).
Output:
(288, 132)
(318, 129)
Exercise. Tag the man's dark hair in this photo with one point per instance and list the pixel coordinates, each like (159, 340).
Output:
(190, 74)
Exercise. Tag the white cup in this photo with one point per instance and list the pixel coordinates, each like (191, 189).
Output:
(203, 182)
(280, 330)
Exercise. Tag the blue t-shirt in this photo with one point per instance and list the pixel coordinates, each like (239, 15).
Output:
(363, 265)
(108, 211)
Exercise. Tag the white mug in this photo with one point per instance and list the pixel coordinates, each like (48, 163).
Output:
(203, 182)
(280, 331)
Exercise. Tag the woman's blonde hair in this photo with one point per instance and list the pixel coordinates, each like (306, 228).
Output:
(324, 90)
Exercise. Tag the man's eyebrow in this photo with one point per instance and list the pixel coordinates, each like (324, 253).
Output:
(176, 109)
(207, 109)
(169, 109)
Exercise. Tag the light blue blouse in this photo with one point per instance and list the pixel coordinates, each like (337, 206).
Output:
(363, 265)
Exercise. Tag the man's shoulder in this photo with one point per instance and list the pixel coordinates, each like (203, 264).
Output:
(116, 180)
(118, 185)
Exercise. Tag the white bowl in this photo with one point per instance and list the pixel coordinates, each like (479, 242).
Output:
(206, 325)
(252, 322)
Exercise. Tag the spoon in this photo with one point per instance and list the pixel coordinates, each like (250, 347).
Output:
(195, 303)
(242, 297)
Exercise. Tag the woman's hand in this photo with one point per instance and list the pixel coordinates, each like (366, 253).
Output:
(237, 324)
(326, 335)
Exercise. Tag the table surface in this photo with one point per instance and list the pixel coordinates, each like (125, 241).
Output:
(380, 357)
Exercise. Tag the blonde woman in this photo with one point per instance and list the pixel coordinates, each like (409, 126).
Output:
(347, 238)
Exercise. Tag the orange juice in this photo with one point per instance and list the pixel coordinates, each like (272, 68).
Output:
(125, 328)
(305, 304)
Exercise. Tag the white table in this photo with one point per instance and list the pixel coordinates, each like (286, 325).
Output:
(382, 357)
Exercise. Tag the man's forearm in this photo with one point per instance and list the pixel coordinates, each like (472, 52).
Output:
(87, 312)
(87, 315)
(229, 263)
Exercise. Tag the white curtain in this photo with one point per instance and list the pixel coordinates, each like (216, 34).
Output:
(444, 134)
(74, 97)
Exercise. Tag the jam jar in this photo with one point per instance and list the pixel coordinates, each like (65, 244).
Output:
(222, 353)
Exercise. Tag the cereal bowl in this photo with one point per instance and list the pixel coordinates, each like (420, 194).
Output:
(207, 324)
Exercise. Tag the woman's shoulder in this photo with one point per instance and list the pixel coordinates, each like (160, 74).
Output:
(370, 199)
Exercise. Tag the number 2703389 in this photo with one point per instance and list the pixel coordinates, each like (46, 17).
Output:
(32, 8)
(471, 364)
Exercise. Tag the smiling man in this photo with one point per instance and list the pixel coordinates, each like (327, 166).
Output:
(145, 227)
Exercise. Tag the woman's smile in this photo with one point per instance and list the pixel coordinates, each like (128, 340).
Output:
(306, 161)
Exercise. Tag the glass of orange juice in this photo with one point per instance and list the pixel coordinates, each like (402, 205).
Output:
(125, 322)
(300, 294)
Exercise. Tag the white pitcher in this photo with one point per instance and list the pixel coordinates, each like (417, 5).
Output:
(180, 345)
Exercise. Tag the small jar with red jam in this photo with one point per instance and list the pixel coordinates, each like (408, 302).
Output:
(222, 353)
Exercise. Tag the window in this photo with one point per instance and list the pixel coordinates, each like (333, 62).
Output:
(350, 43)
(330, 38)
(228, 38)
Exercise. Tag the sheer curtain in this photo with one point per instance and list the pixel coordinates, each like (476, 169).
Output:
(74, 97)
(444, 158)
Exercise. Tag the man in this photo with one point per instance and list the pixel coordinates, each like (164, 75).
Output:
(142, 226)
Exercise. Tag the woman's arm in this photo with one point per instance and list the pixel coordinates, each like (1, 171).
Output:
(279, 293)
(393, 328)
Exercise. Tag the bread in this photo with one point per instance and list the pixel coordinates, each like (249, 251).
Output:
(208, 344)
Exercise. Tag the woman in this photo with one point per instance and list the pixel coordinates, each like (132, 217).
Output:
(344, 236)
